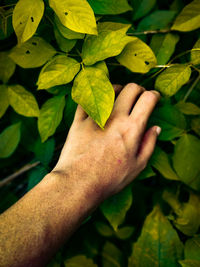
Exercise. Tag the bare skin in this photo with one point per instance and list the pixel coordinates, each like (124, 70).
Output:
(94, 164)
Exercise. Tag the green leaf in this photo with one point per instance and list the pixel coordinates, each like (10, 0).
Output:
(50, 116)
(185, 216)
(109, 7)
(59, 70)
(110, 42)
(7, 67)
(186, 160)
(64, 44)
(195, 55)
(157, 20)
(146, 173)
(27, 15)
(142, 8)
(171, 120)
(163, 46)
(189, 263)
(188, 108)
(33, 53)
(35, 176)
(4, 103)
(103, 229)
(189, 18)
(44, 151)
(94, 92)
(77, 15)
(78, 261)
(158, 244)
(192, 248)
(66, 32)
(161, 162)
(115, 208)
(137, 56)
(22, 101)
(172, 79)
(125, 232)
(9, 140)
(195, 124)
(111, 255)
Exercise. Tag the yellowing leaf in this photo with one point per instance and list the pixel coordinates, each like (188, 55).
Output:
(22, 101)
(27, 15)
(7, 67)
(77, 15)
(94, 92)
(78, 261)
(64, 44)
(189, 18)
(110, 42)
(172, 79)
(9, 140)
(188, 108)
(60, 70)
(33, 53)
(50, 117)
(195, 55)
(4, 103)
(137, 56)
(158, 244)
(109, 7)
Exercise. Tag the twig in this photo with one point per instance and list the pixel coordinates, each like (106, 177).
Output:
(24, 169)
(191, 88)
(149, 32)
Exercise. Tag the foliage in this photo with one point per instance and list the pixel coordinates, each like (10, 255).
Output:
(57, 54)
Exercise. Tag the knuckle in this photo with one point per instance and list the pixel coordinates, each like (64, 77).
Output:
(143, 164)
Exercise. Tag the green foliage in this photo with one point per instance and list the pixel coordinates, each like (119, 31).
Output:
(57, 54)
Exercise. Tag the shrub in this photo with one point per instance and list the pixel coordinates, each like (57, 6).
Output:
(55, 54)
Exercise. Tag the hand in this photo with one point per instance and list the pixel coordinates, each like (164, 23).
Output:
(108, 160)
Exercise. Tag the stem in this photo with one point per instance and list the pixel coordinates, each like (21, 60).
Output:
(191, 88)
(184, 53)
(149, 32)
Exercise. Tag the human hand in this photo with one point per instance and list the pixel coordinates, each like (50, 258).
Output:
(108, 160)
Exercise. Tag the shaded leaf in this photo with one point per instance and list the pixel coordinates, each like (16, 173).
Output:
(7, 67)
(78, 261)
(64, 44)
(188, 108)
(103, 229)
(192, 248)
(35, 176)
(142, 8)
(190, 263)
(125, 232)
(195, 124)
(44, 151)
(111, 255)
(4, 103)
(26, 55)
(22, 101)
(94, 92)
(146, 173)
(195, 55)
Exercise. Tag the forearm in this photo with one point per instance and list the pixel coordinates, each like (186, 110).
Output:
(34, 228)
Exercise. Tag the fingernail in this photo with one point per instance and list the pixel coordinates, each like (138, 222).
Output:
(156, 93)
(158, 130)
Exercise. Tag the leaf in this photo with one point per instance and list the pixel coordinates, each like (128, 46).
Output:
(163, 46)
(186, 160)
(115, 208)
(22, 101)
(35, 176)
(94, 92)
(109, 7)
(137, 56)
(9, 140)
(110, 42)
(27, 15)
(44, 151)
(125, 232)
(195, 55)
(26, 55)
(190, 263)
(192, 248)
(69, 112)
(172, 79)
(7, 67)
(77, 15)
(146, 173)
(188, 108)
(50, 116)
(158, 244)
(157, 20)
(185, 216)
(189, 18)
(4, 103)
(103, 229)
(78, 261)
(102, 65)
(160, 161)
(142, 8)
(111, 255)
(59, 70)
(195, 124)
(171, 120)
(64, 44)
(66, 32)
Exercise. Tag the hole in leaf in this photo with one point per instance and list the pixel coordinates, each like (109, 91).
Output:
(28, 52)
(146, 62)
(20, 22)
(66, 13)
(34, 43)
(184, 196)
(135, 55)
(32, 19)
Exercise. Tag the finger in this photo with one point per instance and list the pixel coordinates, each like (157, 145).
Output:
(147, 145)
(127, 98)
(143, 109)
(80, 114)
(117, 89)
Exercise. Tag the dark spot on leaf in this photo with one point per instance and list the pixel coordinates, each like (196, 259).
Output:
(28, 52)
(34, 43)
(20, 22)
(32, 19)
(146, 62)
(135, 55)
(66, 13)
